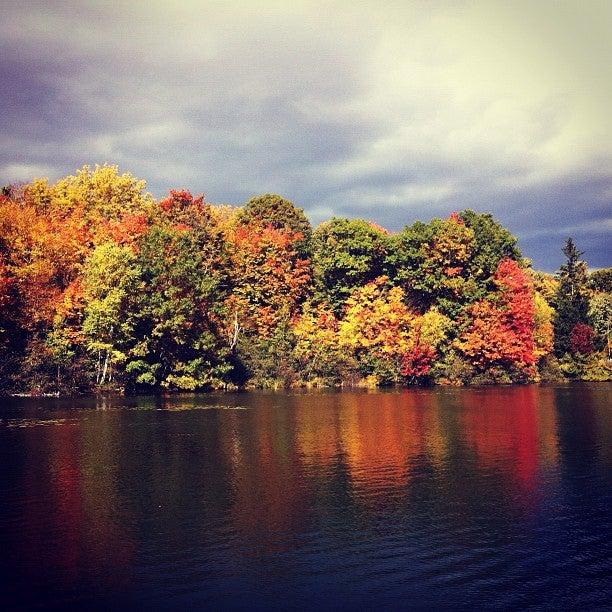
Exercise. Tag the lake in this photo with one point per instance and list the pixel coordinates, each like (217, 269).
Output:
(433, 498)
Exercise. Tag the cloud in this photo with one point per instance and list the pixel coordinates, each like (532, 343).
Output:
(396, 112)
(24, 172)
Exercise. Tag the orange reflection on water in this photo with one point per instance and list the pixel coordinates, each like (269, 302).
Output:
(267, 481)
(283, 458)
(381, 434)
(377, 434)
(380, 440)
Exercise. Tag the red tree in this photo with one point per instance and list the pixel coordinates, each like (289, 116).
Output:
(517, 291)
(184, 210)
(581, 339)
(416, 363)
(502, 332)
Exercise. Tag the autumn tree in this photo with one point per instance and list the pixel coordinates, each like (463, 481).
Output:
(100, 284)
(516, 288)
(269, 277)
(417, 362)
(376, 328)
(430, 262)
(581, 339)
(182, 210)
(431, 328)
(279, 213)
(11, 334)
(546, 285)
(111, 281)
(501, 331)
(102, 192)
(320, 356)
(543, 333)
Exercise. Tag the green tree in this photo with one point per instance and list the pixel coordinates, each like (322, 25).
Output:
(572, 302)
(347, 253)
(268, 360)
(273, 210)
(492, 244)
(601, 280)
(430, 262)
(179, 308)
(600, 314)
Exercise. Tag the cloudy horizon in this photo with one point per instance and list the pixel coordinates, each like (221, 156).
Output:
(394, 113)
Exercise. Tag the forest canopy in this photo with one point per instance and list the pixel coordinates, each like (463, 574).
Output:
(103, 287)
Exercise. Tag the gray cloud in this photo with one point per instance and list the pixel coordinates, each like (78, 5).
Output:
(396, 113)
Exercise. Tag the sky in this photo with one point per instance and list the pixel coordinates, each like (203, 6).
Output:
(390, 111)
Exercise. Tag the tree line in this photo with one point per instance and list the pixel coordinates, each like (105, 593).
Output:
(103, 287)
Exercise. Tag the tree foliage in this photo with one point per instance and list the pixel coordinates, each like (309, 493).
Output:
(276, 211)
(346, 254)
(581, 339)
(600, 281)
(600, 315)
(572, 302)
(501, 331)
(376, 328)
(269, 277)
(103, 287)
(433, 262)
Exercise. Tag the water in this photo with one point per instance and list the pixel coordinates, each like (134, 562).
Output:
(453, 498)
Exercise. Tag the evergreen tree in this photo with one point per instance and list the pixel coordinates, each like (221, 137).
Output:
(572, 302)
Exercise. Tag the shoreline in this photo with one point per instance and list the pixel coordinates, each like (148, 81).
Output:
(298, 390)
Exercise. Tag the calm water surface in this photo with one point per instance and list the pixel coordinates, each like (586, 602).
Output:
(494, 498)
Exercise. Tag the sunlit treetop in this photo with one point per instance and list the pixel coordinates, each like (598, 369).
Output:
(280, 213)
(347, 253)
(101, 192)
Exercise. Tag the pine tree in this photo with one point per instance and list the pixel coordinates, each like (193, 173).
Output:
(572, 300)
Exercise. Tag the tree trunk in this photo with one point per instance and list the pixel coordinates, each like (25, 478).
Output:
(99, 366)
(105, 368)
(234, 339)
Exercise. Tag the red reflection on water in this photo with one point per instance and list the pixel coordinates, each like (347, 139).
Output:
(52, 505)
(512, 431)
(70, 507)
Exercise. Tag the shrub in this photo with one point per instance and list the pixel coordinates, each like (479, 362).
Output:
(550, 370)
(581, 339)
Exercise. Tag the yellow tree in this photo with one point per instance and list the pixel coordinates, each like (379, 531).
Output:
(543, 335)
(376, 328)
(102, 192)
(321, 358)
